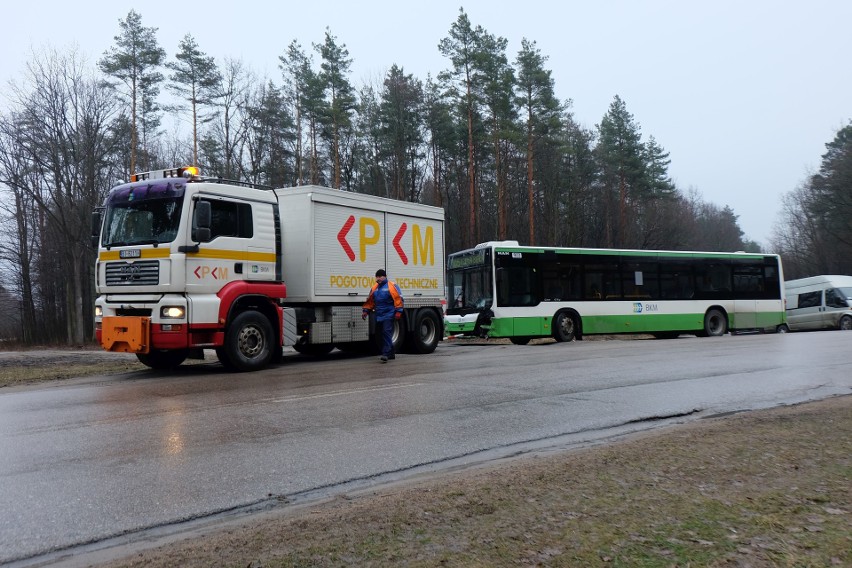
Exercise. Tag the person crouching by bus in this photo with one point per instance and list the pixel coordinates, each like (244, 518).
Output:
(386, 299)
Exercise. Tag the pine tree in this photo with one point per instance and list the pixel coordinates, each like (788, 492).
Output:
(620, 154)
(498, 79)
(134, 61)
(536, 98)
(195, 80)
(335, 68)
(461, 47)
(400, 113)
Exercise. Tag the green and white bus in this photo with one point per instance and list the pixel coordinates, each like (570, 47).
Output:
(502, 289)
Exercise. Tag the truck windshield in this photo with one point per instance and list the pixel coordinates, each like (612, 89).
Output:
(146, 213)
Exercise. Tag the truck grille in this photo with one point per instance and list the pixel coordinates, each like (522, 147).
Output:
(139, 273)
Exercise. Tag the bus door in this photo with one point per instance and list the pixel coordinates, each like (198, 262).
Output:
(749, 287)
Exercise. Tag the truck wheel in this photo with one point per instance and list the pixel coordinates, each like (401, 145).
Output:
(163, 360)
(248, 343)
(426, 333)
(398, 337)
(314, 349)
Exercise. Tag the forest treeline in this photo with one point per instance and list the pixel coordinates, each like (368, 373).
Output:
(487, 139)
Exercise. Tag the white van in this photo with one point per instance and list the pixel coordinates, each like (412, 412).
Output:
(819, 302)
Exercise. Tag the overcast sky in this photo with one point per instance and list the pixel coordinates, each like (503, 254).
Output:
(743, 94)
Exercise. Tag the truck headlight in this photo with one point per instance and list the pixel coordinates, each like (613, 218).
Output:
(173, 312)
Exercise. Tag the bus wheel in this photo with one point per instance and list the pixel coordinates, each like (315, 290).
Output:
(845, 323)
(163, 360)
(519, 340)
(248, 343)
(564, 327)
(665, 334)
(715, 323)
(426, 333)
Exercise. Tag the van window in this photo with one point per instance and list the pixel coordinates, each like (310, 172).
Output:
(835, 299)
(810, 299)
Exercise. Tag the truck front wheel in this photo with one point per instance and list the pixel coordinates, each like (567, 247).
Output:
(163, 360)
(248, 343)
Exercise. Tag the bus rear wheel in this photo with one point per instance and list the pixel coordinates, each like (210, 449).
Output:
(564, 327)
(715, 323)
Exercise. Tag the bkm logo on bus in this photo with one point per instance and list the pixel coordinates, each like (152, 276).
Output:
(369, 231)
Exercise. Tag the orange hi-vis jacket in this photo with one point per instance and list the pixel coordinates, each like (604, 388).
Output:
(393, 289)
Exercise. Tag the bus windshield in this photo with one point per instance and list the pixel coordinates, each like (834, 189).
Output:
(469, 283)
(147, 213)
(471, 289)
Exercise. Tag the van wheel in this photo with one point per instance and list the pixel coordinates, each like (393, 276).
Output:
(715, 323)
(782, 328)
(846, 322)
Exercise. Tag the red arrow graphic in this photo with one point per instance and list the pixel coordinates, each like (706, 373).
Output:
(197, 275)
(341, 237)
(398, 248)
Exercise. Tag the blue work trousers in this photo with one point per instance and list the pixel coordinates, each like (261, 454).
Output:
(387, 336)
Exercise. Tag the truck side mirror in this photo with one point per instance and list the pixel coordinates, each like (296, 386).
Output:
(97, 218)
(203, 220)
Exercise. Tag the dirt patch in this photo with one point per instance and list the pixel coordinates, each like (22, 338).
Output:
(761, 489)
(39, 365)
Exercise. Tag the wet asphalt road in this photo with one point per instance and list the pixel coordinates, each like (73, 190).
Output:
(89, 459)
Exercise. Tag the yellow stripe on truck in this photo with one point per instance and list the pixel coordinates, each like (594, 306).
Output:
(234, 255)
(144, 253)
(205, 253)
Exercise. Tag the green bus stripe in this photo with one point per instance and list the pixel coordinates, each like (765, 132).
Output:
(626, 323)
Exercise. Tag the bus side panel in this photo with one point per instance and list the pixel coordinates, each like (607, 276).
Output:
(642, 323)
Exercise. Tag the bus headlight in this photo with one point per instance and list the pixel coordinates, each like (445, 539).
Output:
(173, 312)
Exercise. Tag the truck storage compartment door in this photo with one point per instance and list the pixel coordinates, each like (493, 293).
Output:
(349, 246)
(347, 324)
(415, 255)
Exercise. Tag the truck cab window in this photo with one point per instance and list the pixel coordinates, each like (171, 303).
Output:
(230, 219)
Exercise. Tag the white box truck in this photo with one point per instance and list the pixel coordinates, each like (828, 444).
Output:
(819, 302)
(187, 263)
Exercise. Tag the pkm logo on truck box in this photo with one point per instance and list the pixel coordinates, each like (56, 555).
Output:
(369, 234)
